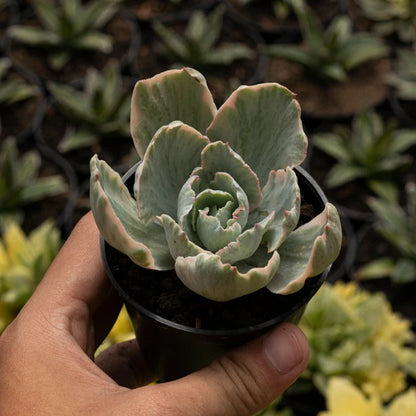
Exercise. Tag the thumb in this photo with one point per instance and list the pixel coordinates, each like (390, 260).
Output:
(241, 382)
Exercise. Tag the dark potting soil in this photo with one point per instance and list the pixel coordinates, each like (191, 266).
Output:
(163, 294)
(366, 87)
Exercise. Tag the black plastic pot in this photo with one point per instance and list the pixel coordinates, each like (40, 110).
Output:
(172, 350)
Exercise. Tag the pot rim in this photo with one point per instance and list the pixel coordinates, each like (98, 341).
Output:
(312, 284)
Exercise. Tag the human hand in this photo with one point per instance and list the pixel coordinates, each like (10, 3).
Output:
(47, 354)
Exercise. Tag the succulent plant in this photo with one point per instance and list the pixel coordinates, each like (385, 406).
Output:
(368, 151)
(68, 27)
(101, 110)
(355, 334)
(198, 46)
(20, 183)
(344, 398)
(392, 16)
(216, 197)
(13, 90)
(328, 54)
(23, 262)
(403, 78)
(397, 225)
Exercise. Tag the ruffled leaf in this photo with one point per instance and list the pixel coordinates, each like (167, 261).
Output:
(247, 242)
(206, 275)
(225, 182)
(172, 95)
(262, 124)
(117, 217)
(178, 242)
(186, 201)
(281, 194)
(171, 157)
(308, 251)
(219, 157)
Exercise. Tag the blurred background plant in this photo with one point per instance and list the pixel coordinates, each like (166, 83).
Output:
(20, 183)
(354, 333)
(24, 260)
(397, 225)
(392, 17)
(328, 54)
(403, 77)
(371, 150)
(200, 45)
(68, 27)
(13, 90)
(101, 110)
(344, 399)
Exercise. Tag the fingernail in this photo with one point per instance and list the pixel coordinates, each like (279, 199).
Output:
(282, 348)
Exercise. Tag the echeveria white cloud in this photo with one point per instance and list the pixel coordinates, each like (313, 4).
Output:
(215, 197)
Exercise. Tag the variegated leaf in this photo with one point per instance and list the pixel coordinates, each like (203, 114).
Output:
(117, 218)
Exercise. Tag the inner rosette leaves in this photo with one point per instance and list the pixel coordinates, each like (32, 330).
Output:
(214, 215)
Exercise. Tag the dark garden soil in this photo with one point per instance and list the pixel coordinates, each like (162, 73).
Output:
(261, 14)
(404, 110)
(366, 87)
(148, 10)
(16, 119)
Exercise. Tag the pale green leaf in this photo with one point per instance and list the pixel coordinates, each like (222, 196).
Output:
(117, 218)
(206, 275)
(308, 251)
(281, 195)
(219, 157)
(178, 241)
(171, 157)
(247, 243)
(172, 95)
(262, 124)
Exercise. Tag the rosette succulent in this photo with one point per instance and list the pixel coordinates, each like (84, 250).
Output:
(215, 196)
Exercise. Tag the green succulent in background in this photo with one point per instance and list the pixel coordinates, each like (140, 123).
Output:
(355, 334)
(368, 151)
(101, 110)
(397, 225)
(23, 262)
(392, 16)
(68, 27)
(328, 54)
(20, 183)
(13, 90)
(403, 78)
(199, 46)
(223, 214)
